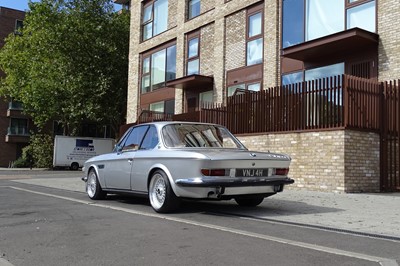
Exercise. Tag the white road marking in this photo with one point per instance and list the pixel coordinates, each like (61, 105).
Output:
(381, 261)
(4, 262)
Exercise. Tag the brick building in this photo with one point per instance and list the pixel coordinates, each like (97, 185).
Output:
(14, 126)
(187, 52)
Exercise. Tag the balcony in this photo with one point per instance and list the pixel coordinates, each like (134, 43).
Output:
(15, 110)
(17, 135)
(15, 106)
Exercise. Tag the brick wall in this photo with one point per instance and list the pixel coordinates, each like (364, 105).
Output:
(235, 45)
(207, 50)
(8, 151)
(172, 13)
(328, 161)
(362, 162)
(271, 44)
(207, 5)
(389, 39)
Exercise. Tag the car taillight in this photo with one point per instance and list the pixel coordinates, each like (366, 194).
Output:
(282, 171)
(213, 172)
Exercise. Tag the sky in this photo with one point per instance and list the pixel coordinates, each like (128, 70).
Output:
(23, 4)
(16, 4)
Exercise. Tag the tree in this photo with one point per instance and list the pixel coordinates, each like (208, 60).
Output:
(70, 63)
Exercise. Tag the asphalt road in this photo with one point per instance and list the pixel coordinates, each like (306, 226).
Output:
(53, 226)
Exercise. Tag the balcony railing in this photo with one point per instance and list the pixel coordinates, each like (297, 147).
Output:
(15, 106)
(18, 131)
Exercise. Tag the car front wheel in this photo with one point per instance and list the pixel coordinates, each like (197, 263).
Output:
(162, 197)
(93, 188)
(249, 201)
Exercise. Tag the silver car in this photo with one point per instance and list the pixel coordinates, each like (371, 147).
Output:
(169, 161)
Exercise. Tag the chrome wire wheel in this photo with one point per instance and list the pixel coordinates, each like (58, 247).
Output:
(162, 197)
(157, 191)
(91, 185)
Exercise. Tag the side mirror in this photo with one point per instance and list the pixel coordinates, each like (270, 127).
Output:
(117, 148)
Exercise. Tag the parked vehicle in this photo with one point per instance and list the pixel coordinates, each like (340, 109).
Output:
(168, 161)
(72, 152)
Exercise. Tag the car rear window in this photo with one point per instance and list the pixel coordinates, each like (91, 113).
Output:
(198, 136)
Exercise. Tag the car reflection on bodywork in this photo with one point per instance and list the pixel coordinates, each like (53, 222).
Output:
(169, 161)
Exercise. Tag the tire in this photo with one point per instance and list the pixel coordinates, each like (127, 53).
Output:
(249, 201)
(162, 197)
(93, 188)
(74, 166)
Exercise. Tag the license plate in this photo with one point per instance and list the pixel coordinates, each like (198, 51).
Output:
(252, 172)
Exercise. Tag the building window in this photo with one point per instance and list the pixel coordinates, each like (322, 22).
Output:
(193, 54)
(18, 126)
(324, 72)
(206, 97)
(242, 88)
(193, 8)
(313, 74)
(322, 18)
(292, 78)
(254, 38)
(311, 19)
(15, 105)
(157, 68)
(154, 18)
(362, 16)
(167, 107)
(19, 24)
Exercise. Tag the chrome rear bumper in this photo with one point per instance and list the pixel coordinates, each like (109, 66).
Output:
(233, 182)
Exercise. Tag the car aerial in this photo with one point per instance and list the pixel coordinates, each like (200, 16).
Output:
(171, 161)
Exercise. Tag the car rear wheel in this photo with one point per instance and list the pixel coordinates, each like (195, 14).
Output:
(249, 201)
(93, 188)
(162, 197)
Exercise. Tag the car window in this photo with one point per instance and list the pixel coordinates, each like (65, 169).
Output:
(135, 138)
(198, 136)
(150, 141)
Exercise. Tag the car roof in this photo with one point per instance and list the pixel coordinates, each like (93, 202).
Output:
(163, 123)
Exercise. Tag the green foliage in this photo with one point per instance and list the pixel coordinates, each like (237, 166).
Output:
(21, 162)
(39, 153)
(70, 63)
(41, 149)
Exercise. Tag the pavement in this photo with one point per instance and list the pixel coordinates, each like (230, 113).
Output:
(370, 214)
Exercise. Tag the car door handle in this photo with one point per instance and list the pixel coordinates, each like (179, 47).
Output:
(130, 161)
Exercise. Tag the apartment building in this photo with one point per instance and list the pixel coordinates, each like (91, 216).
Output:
(14, 125)
(185, 53)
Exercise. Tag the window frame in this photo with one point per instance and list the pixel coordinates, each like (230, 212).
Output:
(258, 9)
(165, 105)
(347, 6)
(21, 124)
(190, 37)
(189, 17)
(19, 24)
(133, 146)
(246, 87)
(148, 55)
(151, 20)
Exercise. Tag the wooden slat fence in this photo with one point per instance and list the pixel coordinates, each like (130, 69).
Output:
(390, 136)
(329, 103)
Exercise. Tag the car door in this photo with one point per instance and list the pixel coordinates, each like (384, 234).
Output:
(118, 168)
(145, 158)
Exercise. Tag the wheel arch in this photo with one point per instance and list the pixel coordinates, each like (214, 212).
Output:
(166, 171)
(99, 177)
